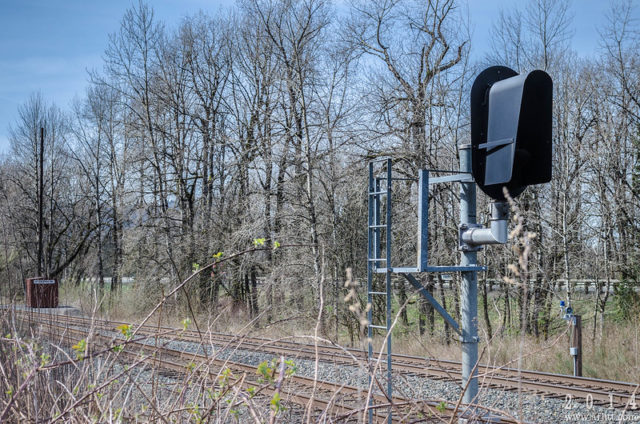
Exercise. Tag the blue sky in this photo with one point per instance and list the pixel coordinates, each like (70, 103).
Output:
(48, 45)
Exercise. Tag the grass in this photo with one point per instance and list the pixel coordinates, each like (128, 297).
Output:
(46, 380)
(611, 352)
(60, 379)
(614, 352)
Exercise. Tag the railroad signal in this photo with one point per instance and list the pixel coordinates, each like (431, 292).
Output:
(511, 130)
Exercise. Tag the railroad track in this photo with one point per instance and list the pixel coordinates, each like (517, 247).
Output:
(338, 400)
(611, 393)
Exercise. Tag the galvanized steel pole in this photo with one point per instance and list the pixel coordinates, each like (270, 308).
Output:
(388, 289)
(469, 290)
(40, 203)
(372, 242)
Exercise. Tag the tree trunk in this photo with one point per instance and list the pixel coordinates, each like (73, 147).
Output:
(485, 307)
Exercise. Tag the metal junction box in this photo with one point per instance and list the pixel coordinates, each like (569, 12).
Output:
(42, 292)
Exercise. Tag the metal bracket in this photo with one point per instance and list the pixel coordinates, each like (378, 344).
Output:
(463, 245)
(475, 235)
(497, 143)
(462, 178)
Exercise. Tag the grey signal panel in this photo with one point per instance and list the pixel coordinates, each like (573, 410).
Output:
(511, 130)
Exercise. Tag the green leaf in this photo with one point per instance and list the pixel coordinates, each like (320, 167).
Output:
(259, 242)
(80, 348)
(291, 367)
(44, 359)
(224, 377)
(218, 255)
(125, 329)
(276, 244)
(185, 323)
(263, 369)
(275, 402)
(195, 266)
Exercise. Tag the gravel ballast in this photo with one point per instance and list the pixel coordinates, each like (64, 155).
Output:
(523, 406)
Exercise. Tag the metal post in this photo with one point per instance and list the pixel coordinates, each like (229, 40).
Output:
(372, 240)
(469, 292)
(423, 220)
(576, 345)
(373, 253)
(388, 288)
(40, 202)
(376, 221)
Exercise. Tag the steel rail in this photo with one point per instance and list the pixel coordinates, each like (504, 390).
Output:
(430, 407)
(293, 395)
(548, 384)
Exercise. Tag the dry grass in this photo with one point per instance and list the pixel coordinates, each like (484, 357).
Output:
(46, 380)
(613, 354)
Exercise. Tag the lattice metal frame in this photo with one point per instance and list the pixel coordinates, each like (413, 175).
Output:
(381, 187)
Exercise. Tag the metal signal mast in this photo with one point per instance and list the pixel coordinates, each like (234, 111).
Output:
(510, 147)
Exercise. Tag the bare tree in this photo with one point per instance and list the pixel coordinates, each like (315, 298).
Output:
(66, 236)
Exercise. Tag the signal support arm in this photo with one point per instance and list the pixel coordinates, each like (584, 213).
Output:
(472, 237)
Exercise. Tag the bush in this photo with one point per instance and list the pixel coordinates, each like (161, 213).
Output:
(626, 300)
